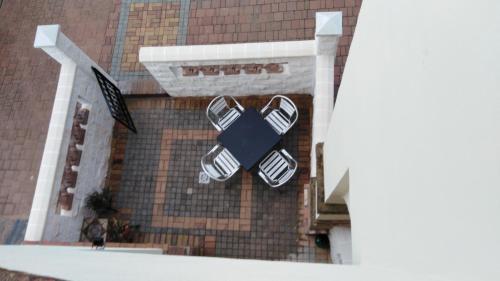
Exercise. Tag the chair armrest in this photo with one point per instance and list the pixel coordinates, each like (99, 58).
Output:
(263, 110)
(238, 105)
(289, 157)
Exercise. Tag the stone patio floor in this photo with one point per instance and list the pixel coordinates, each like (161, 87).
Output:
(155, 178)
(111, 32)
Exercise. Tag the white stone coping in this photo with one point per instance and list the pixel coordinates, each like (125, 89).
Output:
(52, 150)
(50, 39)
(73, 263)
(244, 51)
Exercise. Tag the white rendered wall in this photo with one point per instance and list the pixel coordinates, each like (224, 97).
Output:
(298, 78)
(71, 263)
(76, 83)
(416, 124)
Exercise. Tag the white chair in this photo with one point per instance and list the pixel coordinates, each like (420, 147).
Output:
(283, 117)
(221, 115)
(277, 168)
(219, 164)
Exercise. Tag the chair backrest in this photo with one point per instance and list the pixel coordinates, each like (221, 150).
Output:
(219, 164)
(226, 162)
(277, 168)
(217, 112)
(281, 117)
(217, 107)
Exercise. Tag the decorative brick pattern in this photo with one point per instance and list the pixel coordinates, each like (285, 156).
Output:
(149, 24)
(155, 178)
(232, 69)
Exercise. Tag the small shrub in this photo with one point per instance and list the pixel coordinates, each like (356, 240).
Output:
(101, 203)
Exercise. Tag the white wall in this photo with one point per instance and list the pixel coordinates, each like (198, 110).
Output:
(164, 63)
(416, 123)
(76, 83)
(71, 263)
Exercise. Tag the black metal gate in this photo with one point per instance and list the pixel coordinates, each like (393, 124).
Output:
(114, 100)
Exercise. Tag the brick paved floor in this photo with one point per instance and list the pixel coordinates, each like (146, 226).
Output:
(111, 32)
(155, 178)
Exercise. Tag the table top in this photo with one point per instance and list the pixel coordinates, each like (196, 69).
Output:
(249, 138)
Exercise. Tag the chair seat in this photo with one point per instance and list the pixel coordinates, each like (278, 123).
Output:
(229, 118)
(219, 164)
(277, 168)
(279, 122)
(221, 115)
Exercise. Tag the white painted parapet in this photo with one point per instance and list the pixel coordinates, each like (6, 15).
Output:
(328, 32)
(76, 83)
(295, 57)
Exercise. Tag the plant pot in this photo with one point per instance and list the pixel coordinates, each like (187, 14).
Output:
(322, 241)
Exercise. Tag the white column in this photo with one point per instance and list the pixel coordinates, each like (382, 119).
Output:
(328, 32)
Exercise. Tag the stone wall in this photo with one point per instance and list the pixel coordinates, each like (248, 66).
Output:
(77, 84)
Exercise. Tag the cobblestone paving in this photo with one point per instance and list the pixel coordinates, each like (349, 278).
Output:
(152, 24)
(155, 178)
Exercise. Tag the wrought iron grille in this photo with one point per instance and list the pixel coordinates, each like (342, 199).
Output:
(114, 100)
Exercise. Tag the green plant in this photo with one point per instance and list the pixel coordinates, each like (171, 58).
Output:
(101, 203)
(119, 231)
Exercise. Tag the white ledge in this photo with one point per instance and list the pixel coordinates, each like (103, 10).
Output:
(243, 51)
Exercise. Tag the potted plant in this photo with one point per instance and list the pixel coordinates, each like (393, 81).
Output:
(101, 203)
(119, 231)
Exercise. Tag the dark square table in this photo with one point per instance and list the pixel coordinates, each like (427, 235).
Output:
(249, 138)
